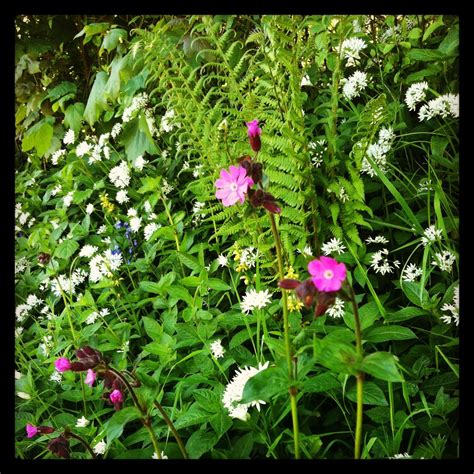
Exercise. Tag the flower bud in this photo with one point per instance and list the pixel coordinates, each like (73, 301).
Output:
(59, 446)
(62, 364)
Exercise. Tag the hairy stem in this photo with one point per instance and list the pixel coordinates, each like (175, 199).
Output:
(173, 429)
(84, 442)
(286, 331)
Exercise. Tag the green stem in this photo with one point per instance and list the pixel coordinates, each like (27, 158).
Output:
(172, 224)
(359, 378)
(153, 438)
(286, 331)
(173, 429)
(84, 443)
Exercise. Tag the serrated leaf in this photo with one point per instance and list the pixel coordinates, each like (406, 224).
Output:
(368, 314)
(190, 262)
(388, 333)
(116, 424)
(151, 287)
(217, 285)
(412, 291)
(335, 355)
(39, 136)
(382, 366)
(265, 385)
(66, 249)
(181, 293)
(152, 327)
(372, 394)
(425, 54)
(199, 443)
(321, 383)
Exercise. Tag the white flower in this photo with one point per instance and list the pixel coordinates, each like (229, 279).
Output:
(381, 264)
(353, 86)
(102, 229)
(33, 300)
(100, 447)
(67, 200)
(92, 317)
(55, 157)
(116, 129)
(334, 245)
(19, 331)
(82, 422)
(21, 311)
(411, 272)
(149, 229)
(217, 349)
(83, 148)
(255, 299)
(122, 196)
(131, 212)
(444, 260)
(233, 392)
(163, 455)
(21, 265)
(135, 223)
(88, 250)
(167, 123)
(166, 188)
(431, 234)
(197, 171)
(69, 137)
(57, 189)
(306, 252)
(401, 456)
(139, 162)
(305, 81)
(337, 309)
(56, 377)
(24, 395)
(223, 260)
(415, 94)
(443, 106)
(89, 209)
(351, 48)
(120, 175)
(378, 239)
(248, 257)
(18, 375)
(452, 308)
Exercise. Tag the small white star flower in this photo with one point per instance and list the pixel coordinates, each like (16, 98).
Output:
(255, 299)
(217, 349)
(82, 422)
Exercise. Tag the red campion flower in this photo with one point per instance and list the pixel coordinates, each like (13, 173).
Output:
(254, 132)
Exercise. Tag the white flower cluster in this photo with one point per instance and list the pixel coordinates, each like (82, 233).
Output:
(122, 196)
(353, 86)
(305, 81)
(378, 152)
(69, 137)
(197, 171)
(401, 456)
(102, 265)
(222, 260)
(22, 310)
(82, 422)
(100, 447)
(306, 251)
(443, 106)
(116, 129)
(378, 239)
(91, 319)
(380, 263)
(47, 344)
(453, 309)
(167, 121)
(234, 390)
(149, 229)
(166, 188)
(248, 257)
(318, 148)
(88, 250)
(411, 272)
(95, 148)
(139, 163)
(21, 265)
(334, 245)
(163, 455)
(430, 235)
(444, 260)
(198, 212)
(350, 50)
(255, 299)
(57, 155)
(217, 349)
(67, 200)
(415, 94)
(139, 102)
(120, 175)
(23, 216)
(337, 309)
(66, 284)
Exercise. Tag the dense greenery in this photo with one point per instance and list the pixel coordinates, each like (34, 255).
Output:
(118, 113)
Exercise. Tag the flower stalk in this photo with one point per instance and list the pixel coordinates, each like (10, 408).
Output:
(286, 331)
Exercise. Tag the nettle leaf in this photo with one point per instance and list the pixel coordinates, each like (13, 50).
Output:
(388, 333)
(181, 293)
(190, 262)
(368, 314)
(114, 427)
(321, 383)
(200, 442)
(338, 356)
(152, 327)
(382, 366)
(66, 249)
(372, 394)
(151, 287)
(97, 102)
(217, 285)
(265, 385)
(416, 294)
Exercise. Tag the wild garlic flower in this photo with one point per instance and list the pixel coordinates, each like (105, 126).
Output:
(350, 50)
(442, 106)
(255, 299)
(444, 260)
(378, 239)
(453, 309)
(430, 235)
(82, 422)
(222, 260)
(337, 309)
(100, 447)
(381, 264)
(354, 85)
(69, 137)
(334, 245)
(120, 175)
(150, 229)
(415, 94)
(411, 272)
(217, 349)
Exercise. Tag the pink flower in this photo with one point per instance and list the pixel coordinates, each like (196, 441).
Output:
(62, 364)
(31, 430)
(327, 274)
(116, 396)
(232, 185)
(90, 377)
(253, 129)
(254, 132)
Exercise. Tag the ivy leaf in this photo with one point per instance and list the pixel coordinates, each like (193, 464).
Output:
(382, 366)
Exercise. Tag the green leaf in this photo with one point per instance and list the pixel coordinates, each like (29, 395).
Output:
(388, 333)
(39, 136)
(114, 427)
(433, 27)
(73, 116)
(181, 293)
(66, 249)
(450, 42)
(157, 348)
(112, 88)
(97, 102)
(412, 292)
(338, 356)
(135, 141)
(191, 281)
(200, 442)
(321, 383)
(220, 423)
(378, 414)
(405, 314)
(152, 327)
(368, 314)
(194, 415)
(151, 287)
(149, 184)
(112, 39)
(218, 285)
(382, 366)
(425, 54)
(265, 385)
(372, 394)
(190, 262)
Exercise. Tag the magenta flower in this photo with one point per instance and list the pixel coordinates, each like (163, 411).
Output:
(327, 274)
(254, 132)
(62, 364)
(116, 396)
(232, 185)
(31, 430)
(90, 377)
